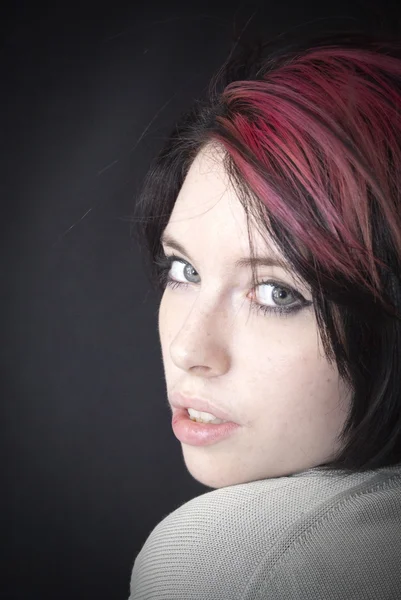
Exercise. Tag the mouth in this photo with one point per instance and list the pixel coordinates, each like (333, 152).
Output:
(200, 409)
(197, 433)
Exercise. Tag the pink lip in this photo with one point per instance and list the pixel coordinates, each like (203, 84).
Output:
(199, 434)
(178, 400)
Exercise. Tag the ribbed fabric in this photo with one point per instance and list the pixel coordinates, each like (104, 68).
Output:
(307, 536)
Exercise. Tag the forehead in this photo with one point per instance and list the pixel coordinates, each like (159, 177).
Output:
(208, 206)
(205, 184)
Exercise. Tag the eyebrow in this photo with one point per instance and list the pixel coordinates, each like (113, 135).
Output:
(267, 261)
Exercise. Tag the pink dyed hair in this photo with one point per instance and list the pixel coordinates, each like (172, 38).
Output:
(326, 124)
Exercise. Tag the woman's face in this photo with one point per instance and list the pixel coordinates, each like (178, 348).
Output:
(267, 371)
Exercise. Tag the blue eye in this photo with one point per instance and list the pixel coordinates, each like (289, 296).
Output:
(163, 267)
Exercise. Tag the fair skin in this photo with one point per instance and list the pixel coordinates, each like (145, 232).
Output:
(267, 371)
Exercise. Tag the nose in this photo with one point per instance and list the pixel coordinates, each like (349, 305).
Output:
(201, 344)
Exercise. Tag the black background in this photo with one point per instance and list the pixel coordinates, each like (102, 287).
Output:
(89, 93)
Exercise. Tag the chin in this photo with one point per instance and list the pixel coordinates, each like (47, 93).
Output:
(211, 471)
(212, 480)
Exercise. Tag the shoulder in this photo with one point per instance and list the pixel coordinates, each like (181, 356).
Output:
(245, 541)
(347, 548)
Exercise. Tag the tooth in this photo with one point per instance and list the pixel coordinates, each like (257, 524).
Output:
(204, 417)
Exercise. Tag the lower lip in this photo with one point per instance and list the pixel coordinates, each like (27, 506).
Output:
(199, 434)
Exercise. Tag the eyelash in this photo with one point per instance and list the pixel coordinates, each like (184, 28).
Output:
(163, 266)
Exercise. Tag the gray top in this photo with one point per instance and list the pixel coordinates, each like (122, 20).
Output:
(307, 536)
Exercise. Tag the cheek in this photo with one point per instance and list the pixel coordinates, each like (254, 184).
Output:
(282, 352)
(163, 321)
(167, 321)
(164, 325)
(290, 366)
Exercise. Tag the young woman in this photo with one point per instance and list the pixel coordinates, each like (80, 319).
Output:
(273, 223)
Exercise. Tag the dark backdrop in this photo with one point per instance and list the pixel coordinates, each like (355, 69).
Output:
(88, 96)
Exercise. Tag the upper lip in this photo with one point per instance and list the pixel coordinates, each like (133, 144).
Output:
(179, 400)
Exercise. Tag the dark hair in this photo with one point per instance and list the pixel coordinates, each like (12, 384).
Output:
(311, 134)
